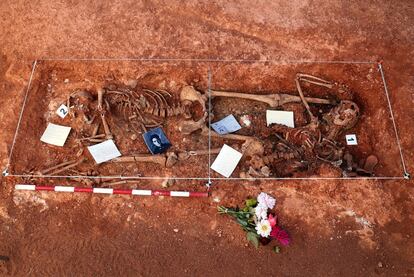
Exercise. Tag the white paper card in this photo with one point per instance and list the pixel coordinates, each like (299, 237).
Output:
(62, 111)
(351, 139)
(280, 117)
(104, 151)
(226, 161)
(227, 125)
(55, 134)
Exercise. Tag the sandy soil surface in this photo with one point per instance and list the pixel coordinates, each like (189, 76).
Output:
(339, 228)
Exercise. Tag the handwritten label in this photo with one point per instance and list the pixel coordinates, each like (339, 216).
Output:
(227, 125)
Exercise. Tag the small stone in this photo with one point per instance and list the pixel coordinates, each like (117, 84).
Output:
(132, 83)
(216, 199)
(175, 230)
(380, 264)
(133, 137)
(165, 183)
(66, 81)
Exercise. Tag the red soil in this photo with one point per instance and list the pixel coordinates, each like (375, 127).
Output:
(339, 228)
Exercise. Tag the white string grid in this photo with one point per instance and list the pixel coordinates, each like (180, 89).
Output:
(209, 179)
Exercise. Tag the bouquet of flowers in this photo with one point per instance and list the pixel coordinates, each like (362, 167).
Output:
(259, 224)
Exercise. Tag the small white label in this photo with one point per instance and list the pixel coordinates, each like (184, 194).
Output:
(280, 117)
(104, 151)
(62, 111)
(227, 125)
(351, 139)
(55, 134)
(226, 161)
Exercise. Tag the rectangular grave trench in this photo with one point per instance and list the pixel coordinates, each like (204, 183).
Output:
(54, 81)
(364, 86)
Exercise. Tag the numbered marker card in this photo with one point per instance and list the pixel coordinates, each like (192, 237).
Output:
(351, 139)
(62, 111)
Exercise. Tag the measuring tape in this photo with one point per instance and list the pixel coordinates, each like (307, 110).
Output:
(136, 192)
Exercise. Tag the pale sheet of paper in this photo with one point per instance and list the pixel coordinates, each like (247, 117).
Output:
(226, 161)
(55, 134)
(104, 151)
(227, 125)
(351, 139)
(280, 117)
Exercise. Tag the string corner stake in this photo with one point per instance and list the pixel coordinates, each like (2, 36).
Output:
(5, 172)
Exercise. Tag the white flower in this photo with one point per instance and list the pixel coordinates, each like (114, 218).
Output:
(266, 200)
(263, 228)
(261, 212)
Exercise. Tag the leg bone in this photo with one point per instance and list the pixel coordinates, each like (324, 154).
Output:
(273, 100)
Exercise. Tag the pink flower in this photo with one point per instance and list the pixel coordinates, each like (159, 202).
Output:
(273, 220)
(280, 235)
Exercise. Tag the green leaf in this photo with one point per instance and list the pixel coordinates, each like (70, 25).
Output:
(276, 249)
(251, 203)
(252, 237)
(242, 222)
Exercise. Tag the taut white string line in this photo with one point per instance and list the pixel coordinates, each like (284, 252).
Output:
(21, 115)
(209, 127)
(406, 174)
(205, 178)
(207, 60)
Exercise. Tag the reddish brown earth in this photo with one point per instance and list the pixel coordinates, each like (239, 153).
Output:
(339, 228)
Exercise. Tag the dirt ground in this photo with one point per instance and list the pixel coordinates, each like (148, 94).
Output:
(339, 228)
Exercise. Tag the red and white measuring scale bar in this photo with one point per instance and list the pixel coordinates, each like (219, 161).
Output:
(140, 192)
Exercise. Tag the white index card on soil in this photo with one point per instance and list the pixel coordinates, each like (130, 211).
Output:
(280, 117)
(226, 161)
(227, 125)
(104, 151)
(55, 134)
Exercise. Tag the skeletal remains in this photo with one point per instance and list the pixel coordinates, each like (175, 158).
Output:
(279, 151)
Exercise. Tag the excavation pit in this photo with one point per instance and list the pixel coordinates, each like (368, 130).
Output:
(54, 82)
